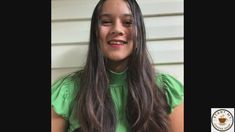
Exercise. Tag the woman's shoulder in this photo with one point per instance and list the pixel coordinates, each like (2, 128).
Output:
(63, 92)
(172, 87)
(66, 82)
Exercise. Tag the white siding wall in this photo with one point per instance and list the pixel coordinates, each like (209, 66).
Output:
(70, 33)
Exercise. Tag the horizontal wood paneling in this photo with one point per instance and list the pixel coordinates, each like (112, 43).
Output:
(156, 28)
(68, 56)
(170, 51)
(82, 9)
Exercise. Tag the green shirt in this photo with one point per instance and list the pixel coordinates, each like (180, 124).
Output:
(63, 95)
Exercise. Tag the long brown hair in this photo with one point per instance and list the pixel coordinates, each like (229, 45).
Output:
(146, 107)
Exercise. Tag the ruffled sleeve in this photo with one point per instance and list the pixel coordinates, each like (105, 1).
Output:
(62, 95)
(173, 88)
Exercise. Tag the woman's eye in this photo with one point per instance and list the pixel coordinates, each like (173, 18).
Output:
(127, 23)
(106, 22)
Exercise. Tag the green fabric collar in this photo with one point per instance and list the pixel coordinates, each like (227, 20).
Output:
(118, 78)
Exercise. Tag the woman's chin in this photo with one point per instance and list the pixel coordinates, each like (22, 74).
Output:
(117, 58)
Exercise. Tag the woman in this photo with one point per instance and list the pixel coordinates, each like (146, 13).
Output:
(118, 90)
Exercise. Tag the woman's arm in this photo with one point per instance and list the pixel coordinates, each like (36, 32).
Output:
(177, 119)
(59, 124)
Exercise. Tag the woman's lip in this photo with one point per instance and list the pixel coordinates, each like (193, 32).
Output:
(116, 45)
(111, 42)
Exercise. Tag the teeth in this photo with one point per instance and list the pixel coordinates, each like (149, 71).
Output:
(117, 42)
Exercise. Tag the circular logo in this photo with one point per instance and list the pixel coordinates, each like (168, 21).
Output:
(222, 120)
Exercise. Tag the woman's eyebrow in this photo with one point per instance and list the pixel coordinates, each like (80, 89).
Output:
(128, 15)
(105, 15)
(110, 15)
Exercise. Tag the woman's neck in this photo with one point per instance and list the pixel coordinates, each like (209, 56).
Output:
(118, 66)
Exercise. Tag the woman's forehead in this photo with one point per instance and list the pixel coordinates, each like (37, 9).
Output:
(115, 7)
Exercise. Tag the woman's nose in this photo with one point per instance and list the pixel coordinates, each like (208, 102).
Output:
(117, 29)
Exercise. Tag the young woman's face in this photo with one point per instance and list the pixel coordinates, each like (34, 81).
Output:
(115, 32)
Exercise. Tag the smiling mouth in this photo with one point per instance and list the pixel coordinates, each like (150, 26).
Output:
(117, 42)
